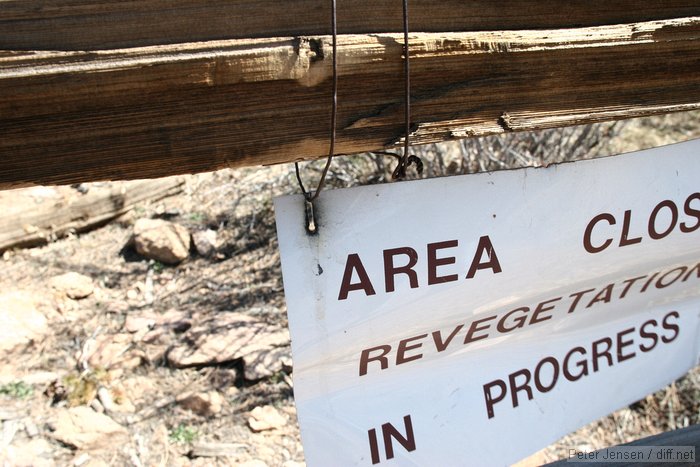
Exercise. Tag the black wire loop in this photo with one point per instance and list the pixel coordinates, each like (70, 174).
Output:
(401, 164)
(334, 114)
(404, 161)
(400, 171)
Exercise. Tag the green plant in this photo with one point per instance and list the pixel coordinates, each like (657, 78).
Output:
(197, 217)
(81, 388)
(157, 267)
(184, 434)
(277, 377)
(16, 389)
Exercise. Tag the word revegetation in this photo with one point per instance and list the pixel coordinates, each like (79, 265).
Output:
(413, 348)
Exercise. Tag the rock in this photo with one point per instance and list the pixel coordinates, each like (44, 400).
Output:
(156, 336)
(112, 350)
(33, 453)
(117, 307)
(9, 413)
(265, 360)
(232, 392)
(134, 324)
(205, 242)
(161, 240)
(223, 377)
(155, 353)
(97, 406)
(40, 377)
(178, 321)
(73, 284)
(230, 336)
(266, 418)
(127, 219)
(30, 428)
(11, 374)
(21, 321)
(171, 320)
(85, 429)
(114, 404)
(204, 403)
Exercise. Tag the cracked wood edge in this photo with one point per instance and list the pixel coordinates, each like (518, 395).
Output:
(55, 219)
(162, 110)
(108, 24)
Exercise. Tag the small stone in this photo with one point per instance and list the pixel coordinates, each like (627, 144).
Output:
(33, 453)
(205, 404)
(266, 418)
(263, 348)
(132, 294)
(156, 353)
(106, 399)
(155, 336)
(117, 308)
(134, 324)
(205, 242)
(232, 392)
(21, 321)
(127, 219)
(223, 377)
(161, 240)
(97, 406)
(178, 321)
(111, 350)
(40, 377)
(114, 404)
(31, 428)
(73, 284)
(85, 429)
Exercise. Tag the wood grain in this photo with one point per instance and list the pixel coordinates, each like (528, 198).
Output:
(93, 25)
(26, 223)
(73, 116)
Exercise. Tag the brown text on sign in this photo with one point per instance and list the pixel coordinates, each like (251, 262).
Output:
(484, 258)
(656, 230)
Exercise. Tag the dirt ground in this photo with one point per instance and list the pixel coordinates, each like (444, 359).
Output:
(112, 350)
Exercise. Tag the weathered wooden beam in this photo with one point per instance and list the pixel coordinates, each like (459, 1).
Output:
(160, 110)
(25, 223)
(99, 25)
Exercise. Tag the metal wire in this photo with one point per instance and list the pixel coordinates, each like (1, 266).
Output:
(407, 92)
(334, 115)
(406, 159)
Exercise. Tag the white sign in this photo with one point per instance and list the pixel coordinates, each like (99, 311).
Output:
(479, 318)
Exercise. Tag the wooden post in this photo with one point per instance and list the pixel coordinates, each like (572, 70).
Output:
(77, 108)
